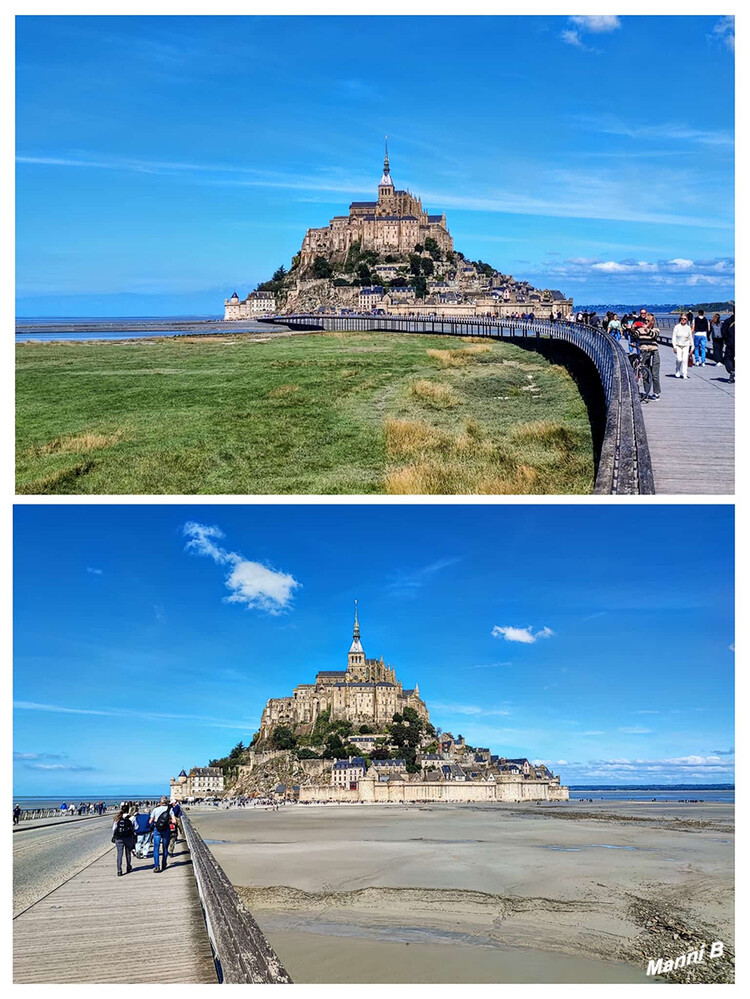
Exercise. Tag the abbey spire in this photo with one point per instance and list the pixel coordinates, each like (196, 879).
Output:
(356, 652)
(385, 187)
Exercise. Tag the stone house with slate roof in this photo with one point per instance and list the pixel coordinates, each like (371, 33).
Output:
(366, 692)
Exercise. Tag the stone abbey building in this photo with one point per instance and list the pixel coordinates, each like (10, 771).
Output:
(394, 224)
(366, 692)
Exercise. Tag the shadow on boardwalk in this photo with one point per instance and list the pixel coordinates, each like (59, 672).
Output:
(96, 927)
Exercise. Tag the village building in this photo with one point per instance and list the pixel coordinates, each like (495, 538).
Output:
(201, 782)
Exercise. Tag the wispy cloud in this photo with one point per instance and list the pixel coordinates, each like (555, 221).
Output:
(38, 756)
(468, 709)
(527, 636)
(668, 768)
(635, 730)
(256, 586)
(506, 662)
(409, 580)
(122, 713)
(724, 31)
(94, 572)
(593, 732)
(609, 124)
(572, 193)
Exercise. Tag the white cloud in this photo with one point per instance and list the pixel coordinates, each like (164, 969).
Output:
(573, 38)
(257, 586)
(596, 23)
(593, 732)
(526, 636)
(122, 713)
(467, 709)
(724, 31)
(635, 730)
(95, 572)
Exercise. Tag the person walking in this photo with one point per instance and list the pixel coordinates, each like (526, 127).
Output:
(176, 827)
(614, 327)
(160, 820)
(727, 334)
(143, 833)
(682, 345)
(123, 836)
(701, 327)
(717, 343)
(648, 343)
(16, 814)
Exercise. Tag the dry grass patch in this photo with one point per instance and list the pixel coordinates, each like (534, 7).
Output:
(83, 442)
(282, 391)
(405, 438)
(550, 433)
(458, 358)
(434, 394)
(444, 477)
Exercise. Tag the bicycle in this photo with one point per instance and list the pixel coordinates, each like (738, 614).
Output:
(641, 363)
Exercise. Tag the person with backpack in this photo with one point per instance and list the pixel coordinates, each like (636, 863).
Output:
(123, 836)
(160, 820)
(176, 827)
(143, 832)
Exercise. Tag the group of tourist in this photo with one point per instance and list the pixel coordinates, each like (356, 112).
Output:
(639, 335)
(134, 832)
(83, 808)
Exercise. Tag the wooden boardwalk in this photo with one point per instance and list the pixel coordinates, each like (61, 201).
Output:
(691, 430)
(96, 927)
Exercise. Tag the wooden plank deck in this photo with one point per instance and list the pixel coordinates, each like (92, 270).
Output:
(96, 927)
(691, 430)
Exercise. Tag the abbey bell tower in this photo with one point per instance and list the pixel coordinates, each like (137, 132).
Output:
(356, 665)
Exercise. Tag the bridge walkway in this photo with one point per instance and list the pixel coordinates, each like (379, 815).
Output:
(691, 430)
(97, 928)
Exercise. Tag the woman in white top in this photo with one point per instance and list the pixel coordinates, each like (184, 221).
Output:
(682, 344)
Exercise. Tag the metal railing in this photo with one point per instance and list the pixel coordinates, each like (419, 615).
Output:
(624, 465)
(241, 952)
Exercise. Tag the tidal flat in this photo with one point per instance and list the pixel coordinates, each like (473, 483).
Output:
(483, 893)
(314, 413)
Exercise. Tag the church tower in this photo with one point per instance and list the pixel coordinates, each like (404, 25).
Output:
(385, 187)
(356, 663)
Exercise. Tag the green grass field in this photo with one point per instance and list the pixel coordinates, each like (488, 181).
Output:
(311, 413)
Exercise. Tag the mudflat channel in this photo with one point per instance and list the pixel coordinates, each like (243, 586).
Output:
(485, 893)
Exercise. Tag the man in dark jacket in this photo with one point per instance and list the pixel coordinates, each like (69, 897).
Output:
(727, 335)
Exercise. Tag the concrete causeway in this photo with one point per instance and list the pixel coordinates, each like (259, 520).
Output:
(691, 430)
(95, 927)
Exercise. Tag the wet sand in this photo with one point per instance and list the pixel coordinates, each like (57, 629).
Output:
(461, 893)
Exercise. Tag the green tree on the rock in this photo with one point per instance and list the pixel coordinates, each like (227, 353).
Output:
(428, 267)
(321, 268)
(282, 737)
(420, 286)
(430, 244)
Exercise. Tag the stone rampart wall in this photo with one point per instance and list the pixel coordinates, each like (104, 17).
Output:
(456, 791)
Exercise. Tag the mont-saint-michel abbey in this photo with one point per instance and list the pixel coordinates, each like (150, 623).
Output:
(365, 693)
(358, 735)
(392, 256)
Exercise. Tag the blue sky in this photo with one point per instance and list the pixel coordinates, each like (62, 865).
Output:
(164, 162)
(143, 646)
